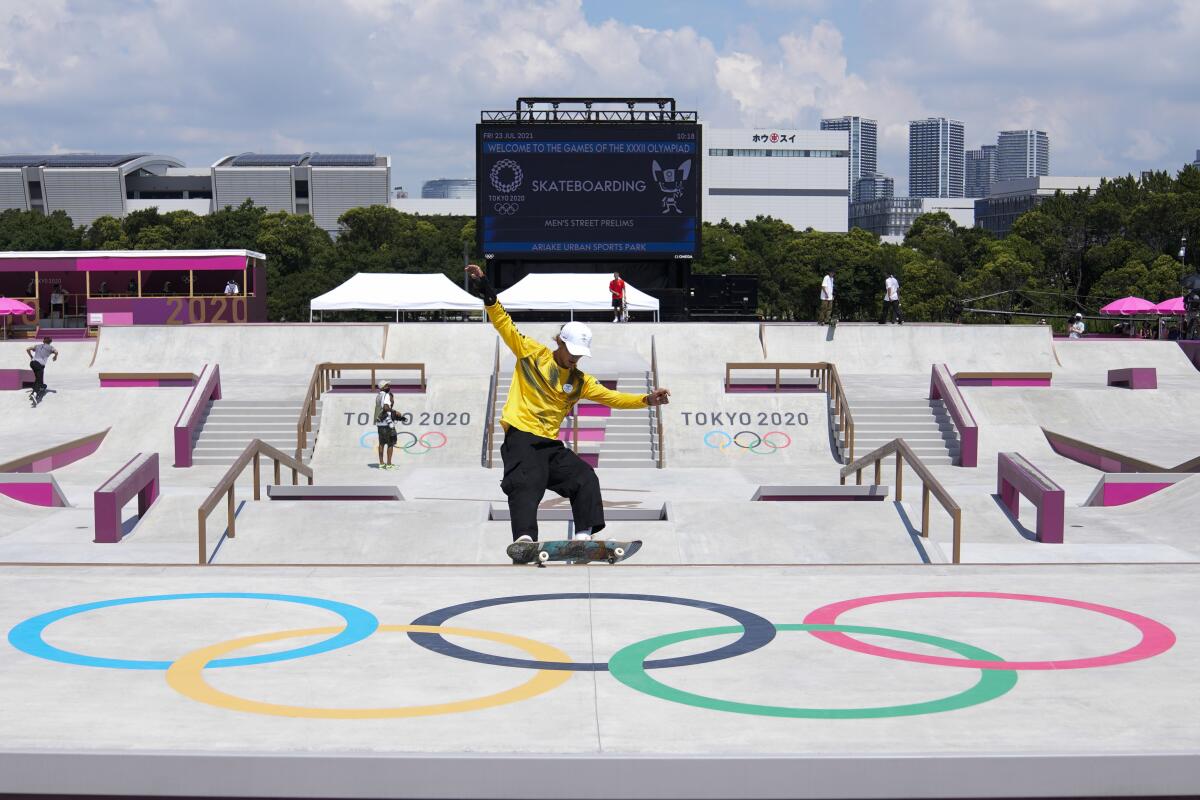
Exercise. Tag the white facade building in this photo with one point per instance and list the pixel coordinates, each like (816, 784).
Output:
(797, 176)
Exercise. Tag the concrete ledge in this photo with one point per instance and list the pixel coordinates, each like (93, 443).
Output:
(34, 488)
(1120, 488)
(655, 513)
(538, 776)
(820, 493)
(11, 379)
(326, 492)
(1134, 377)
(118, 380)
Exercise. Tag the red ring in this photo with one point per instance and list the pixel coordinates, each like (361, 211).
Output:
(1156, 637)
(432, 446)
(777, 446)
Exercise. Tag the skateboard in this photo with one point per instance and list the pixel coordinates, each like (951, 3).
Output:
(572, 550)
(37, 395)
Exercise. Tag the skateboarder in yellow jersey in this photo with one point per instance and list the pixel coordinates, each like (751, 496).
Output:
(545, 385)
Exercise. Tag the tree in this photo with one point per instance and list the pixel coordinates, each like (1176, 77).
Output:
(32, 230)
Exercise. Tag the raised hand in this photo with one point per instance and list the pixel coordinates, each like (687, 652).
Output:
(659, 397)
(474, 272)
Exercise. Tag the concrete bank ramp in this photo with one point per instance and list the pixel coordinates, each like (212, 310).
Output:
(446, 428)
(1091, 359)
(260, 349)
(913, 348)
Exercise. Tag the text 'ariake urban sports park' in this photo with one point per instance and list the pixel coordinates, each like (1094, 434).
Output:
(918, 560)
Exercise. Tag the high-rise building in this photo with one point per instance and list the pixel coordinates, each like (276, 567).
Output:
(874, 187)
(1008, 200)
(980, 171)
(864, 146)
(1022, 154)
(935, 158)
(1196, 163)
(449, 189)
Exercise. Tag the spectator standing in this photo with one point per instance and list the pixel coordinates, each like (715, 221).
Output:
(231, 287)
(38, 356)
(826, 297)
(384, 397)
(616, 287)
(132, 290)
(1076, 327)
(56, 301)
(891, 301)
(385, 424)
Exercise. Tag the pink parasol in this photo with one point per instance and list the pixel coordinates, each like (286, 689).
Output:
(8, 307)
(1129, 305)
(1172, 306)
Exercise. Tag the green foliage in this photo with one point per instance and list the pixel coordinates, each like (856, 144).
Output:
(30, 230)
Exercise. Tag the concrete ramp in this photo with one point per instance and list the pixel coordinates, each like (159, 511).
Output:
(1091, 359)
(256, 349)
(912, 349)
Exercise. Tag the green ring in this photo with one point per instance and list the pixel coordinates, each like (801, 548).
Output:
(626, 666)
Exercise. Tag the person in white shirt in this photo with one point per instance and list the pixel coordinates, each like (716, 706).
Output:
(826, 298)
(891, 301)
(56, 302)
(38, 356)
(1076, 327)
(231, 287)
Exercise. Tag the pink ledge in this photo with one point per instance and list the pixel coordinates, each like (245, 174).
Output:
(1118, 494)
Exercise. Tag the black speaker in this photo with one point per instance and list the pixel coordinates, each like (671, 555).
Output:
(706, 291)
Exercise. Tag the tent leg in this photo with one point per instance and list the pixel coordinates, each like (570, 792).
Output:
(397, 315)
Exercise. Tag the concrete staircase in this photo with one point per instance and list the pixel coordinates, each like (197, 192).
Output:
(229, 425)
(924, 424)
(627, 438)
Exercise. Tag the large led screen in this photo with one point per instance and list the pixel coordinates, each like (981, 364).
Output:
(589, 191)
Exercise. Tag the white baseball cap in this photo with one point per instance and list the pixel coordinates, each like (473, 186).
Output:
(577, 337)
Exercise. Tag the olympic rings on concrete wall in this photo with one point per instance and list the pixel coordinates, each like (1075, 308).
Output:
(629, 665)
(759, 444)
(407, 441)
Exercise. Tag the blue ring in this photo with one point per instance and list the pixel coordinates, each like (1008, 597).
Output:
(27, 636)
(713, 446)
(756, 632)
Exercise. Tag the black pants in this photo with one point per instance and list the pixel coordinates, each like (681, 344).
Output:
(39, 369)
(891, 311)
(532, 465)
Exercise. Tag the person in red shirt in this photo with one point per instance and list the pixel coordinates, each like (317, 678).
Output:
(617, 287)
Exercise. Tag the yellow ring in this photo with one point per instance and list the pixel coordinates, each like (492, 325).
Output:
(186, 676)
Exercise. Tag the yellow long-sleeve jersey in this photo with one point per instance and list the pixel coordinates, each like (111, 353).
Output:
(542, 393)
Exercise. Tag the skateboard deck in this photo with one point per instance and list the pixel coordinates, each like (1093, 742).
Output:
(573, 550)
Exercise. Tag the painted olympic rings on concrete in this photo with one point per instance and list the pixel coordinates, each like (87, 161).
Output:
(756, 631)
(186, 676)
(425, 442)
(27, 636)
(1156, 637)
(627, 666)
(741, 440)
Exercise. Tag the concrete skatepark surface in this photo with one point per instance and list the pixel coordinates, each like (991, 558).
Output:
(789, 714)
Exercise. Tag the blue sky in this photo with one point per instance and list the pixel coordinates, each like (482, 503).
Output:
(1112, 81)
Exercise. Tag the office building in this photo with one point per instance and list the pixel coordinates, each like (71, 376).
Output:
(935, 158)
(88, 186)
(84, 185)
(1022, 154)
(1008, 200)
(980, 171)
(864, 147)
(797, 176)
(893, 216)
(449, 189)
(874, 187)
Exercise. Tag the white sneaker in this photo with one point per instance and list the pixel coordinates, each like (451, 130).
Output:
(586, 537)
(524, 538)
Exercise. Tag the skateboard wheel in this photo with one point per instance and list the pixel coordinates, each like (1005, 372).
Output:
(620, 551)
(543, 556)
(612, 559)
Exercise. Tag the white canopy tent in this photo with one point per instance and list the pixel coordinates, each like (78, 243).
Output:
(572, 291)
(385, 291)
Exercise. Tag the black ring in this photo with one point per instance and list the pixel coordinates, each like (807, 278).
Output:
(756, 632)
(744, 446)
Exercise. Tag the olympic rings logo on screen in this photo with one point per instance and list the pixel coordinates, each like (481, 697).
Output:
(407, 441)
(632, 665)
(514, 176)
(759, 444)
(506, 209)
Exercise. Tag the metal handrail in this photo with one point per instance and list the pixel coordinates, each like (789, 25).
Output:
(929, 484)
(658, 414)
(322, 380)
(489, 430)
(226, 486)
(828, 381)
